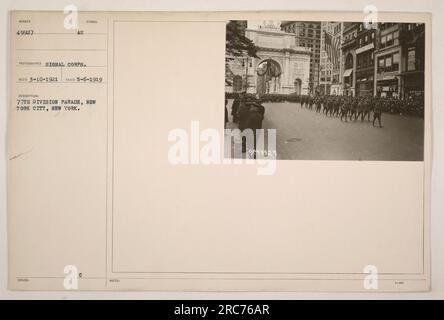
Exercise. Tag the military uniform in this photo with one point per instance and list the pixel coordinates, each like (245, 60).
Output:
(344, 110)
(377, 111)
(235, 109)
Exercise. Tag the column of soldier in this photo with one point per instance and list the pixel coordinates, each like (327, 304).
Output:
(247, 112)
(349, 108)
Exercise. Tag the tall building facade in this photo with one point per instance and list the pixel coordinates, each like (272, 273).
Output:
(412, 60)
(366, 43)
(308, 35)
(348, 47)
(384, 60)
(337, 73)
(399, 60)
(330, 74)
(387, 69)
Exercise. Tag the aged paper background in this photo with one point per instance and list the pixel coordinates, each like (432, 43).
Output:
(125, 213)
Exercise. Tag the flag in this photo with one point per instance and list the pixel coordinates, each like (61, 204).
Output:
(332, 47)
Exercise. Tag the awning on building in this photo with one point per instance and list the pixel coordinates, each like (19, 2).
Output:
(348, 72)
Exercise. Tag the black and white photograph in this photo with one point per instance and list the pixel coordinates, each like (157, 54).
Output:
(331, 90)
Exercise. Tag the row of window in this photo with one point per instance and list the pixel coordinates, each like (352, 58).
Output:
(389, 62)
(389, 39)
(327, 72)
(368, 38)
(350, 36)
(410, 26)
(302, 31)
(308, 45)
(309, 25)
(337, 28)
(386, 63)
(387, 25)
(364, 60)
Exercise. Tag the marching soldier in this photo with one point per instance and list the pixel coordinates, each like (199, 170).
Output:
(242, 113)
(318, 104)
(361, 108)
(310, 102)
(327, 105)
(377, 111)
(337, 102)
(235, 108)
(353, 107)
(344, 110)
(251, 115)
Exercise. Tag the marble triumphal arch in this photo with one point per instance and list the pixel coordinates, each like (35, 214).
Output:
(281, 66)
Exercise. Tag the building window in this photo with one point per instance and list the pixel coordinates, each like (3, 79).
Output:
(395, 62)
(366, 60)
(380, 64)
(411, 60)
(389, 39)
(389, 63)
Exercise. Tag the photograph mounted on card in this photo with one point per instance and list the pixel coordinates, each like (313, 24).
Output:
(125, 173)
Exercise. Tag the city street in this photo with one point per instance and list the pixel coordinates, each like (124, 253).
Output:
(306, 135)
